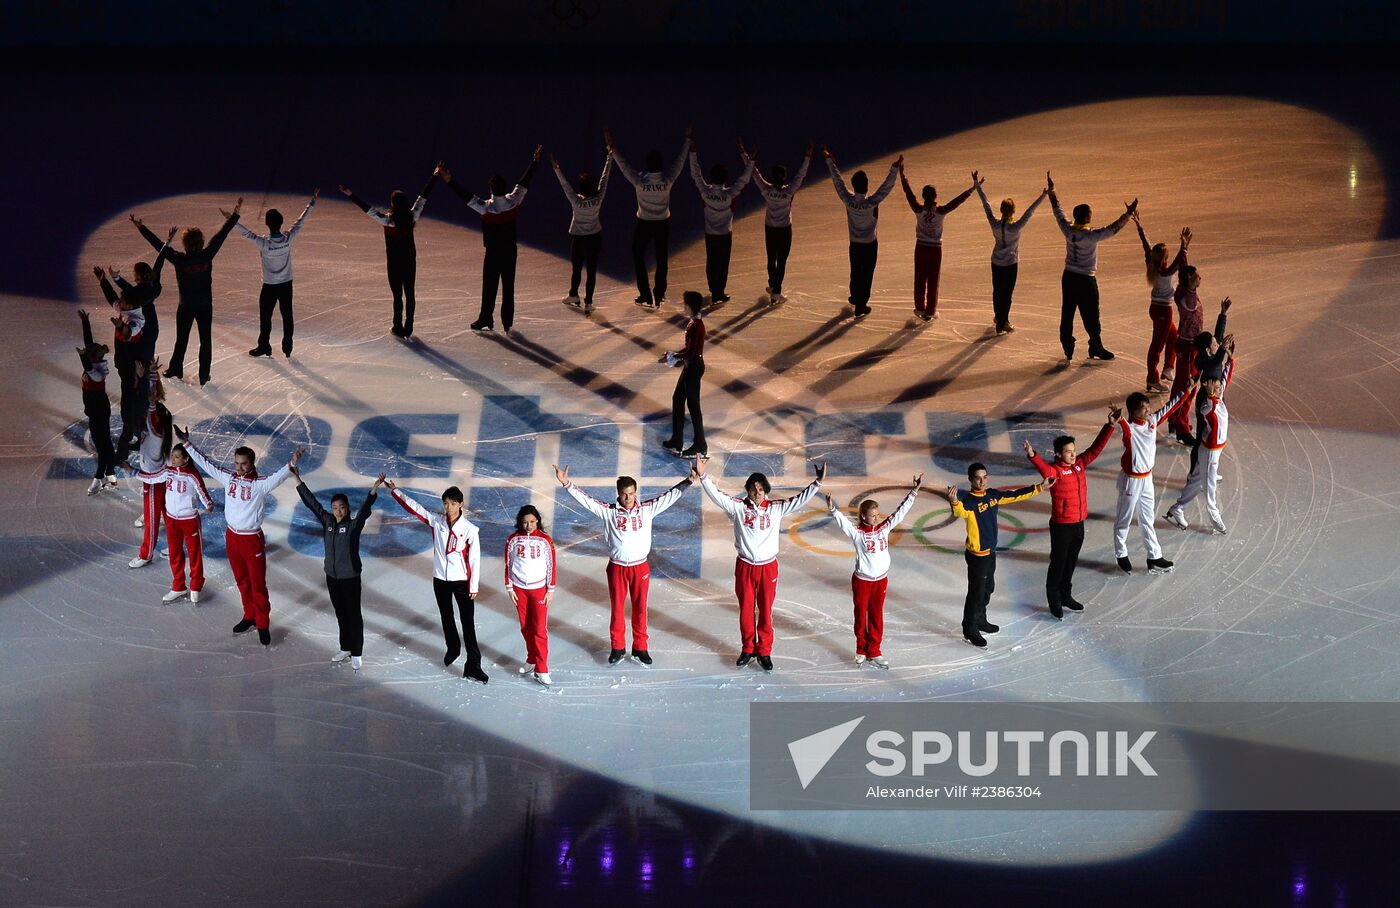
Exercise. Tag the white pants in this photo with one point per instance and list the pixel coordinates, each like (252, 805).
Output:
(1136, 499)
(1203, 479)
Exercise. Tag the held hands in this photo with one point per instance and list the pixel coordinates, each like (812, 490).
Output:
(97, 272)
(899, 163)
(238, 206)
(698, 468)
(1049, 183)
(830, 503)
(826, 153)
(292, 468)
(821, 472)
(1030, 449)
(1225, 306)
(1049, 481)
(345, 191)
(315, 194)
(1131, 206)
(443, 172)
(918, 480)
(976, 180)
(296, 456)
(171, 235)
(608, 140)
(951, 493)
(536, 155)
(135, 220)
(1185, 237)
(182, 434)
(694, 474)
(561, 475)
(378, 481)
(1115, 413)
(389, 484)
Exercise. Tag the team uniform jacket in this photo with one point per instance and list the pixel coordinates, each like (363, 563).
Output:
(778, 199)
(1215, 418)
(275, 249)
(585, 221)
(456, 546)
(397, 239)
(756, 525)
(342, 559)
(1140, 439)
(1081, 243)
(185, 492)
(152, 449)
(194, 271)
(873, 542)
(653, 189)
(245, 497)
(928, 224)
(979, 510)
(862, 211)
(1069, 496)
(628, 530)
(719, 200)
(1162, 289)
(530, 561)
(1007, 250)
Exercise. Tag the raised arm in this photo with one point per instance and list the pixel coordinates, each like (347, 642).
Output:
(589, 503)
(623, 167)
(151, 238)
(1021, 221)
(309, 499)
(837, 180)
(888, 186)
(724, 502)
(986, 207)
(843, 523)
(363, 514)
(797, 178)
(906, 505)
(1142, 235)
(957, 200)
(408, 504)
(678, 165)
(1065, 225)
(203, 463)
(667, 498)
(1020, 494)
(87, 334)
(744, 176)
(529, 173)
(570, 192)
(603, 178)
(913, 200)
(223, 232)
(255, 239)
(1097, 447)
(301, 218)
(107, 291)
(797, 502)
(700, 182)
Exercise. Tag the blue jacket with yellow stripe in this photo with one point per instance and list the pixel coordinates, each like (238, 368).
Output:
(979, 509)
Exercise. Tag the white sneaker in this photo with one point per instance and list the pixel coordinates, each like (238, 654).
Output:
(95, 487)
(355, 662)
(880, 661)
(527, 669)
(138, 561)
(340, 656)
(138, 524)
(1217, 526)
(860, 660)
(194, 596)
(173, 595)
(1176, 518)
(543, 678)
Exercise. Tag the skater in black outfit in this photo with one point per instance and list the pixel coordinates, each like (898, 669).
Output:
(498, 213)
(194, 273)
(342, 563)
(97, 407)
(399, 249)
(145, 291)
(691, 359)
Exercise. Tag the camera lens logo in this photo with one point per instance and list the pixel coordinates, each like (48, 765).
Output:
(811, 754)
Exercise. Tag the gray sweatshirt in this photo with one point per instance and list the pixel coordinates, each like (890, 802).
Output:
(1081, 243)
(862, 211)
(653, 189)
(342, 538)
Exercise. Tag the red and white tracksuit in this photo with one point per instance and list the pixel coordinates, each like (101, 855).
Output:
(530, 577)
(1136, 496)
(756, 528)
(151, 452)
(1214, 427)
(245, 500)
(628, 532)
(871, 576)
(1190, 322)
(184, 494)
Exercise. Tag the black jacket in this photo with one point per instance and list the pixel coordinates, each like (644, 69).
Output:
(342, 539)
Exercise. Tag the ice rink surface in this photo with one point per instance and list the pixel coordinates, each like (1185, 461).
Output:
(265, 774)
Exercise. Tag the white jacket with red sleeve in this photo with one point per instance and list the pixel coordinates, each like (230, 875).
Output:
(456, 546)
(756, 526)
(873, 542)
(628, 530)
(245, 497)
(185, 492)
(530, 561)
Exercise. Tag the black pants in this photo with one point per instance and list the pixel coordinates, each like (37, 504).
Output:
(446, 591)
(403, 271)
(1003, 284)
(862, 272)
(585, 253)
(135, 406)
(981, 581)
(345, 599)
(1079, 291)
(1065, 541)
(651, 233)
(100, 428)
(126, 404)
(185, 316)
(777, 243)
(498, 268)
(687, 394)
(717, 249)
(279, 296)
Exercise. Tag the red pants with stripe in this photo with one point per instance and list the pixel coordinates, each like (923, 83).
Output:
(152, 514)
(1180, 420)
(1163, 345)
(928, 262)
(181, 536)
(756, 586)
(247, 557)
(868, 597)
(624, 581)
(534, 626)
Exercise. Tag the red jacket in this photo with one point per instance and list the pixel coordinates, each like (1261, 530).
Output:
(1069, 497)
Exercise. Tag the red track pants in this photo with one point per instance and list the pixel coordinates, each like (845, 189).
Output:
(534, 626)
(868, 597)
(181, 536)
(623, 581)
(928, 262)
(1163, 345)
(1180, 420)
(246, 555)
(756, 586)
(152, 514)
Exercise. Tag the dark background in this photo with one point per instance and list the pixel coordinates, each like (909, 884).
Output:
(109, 106)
